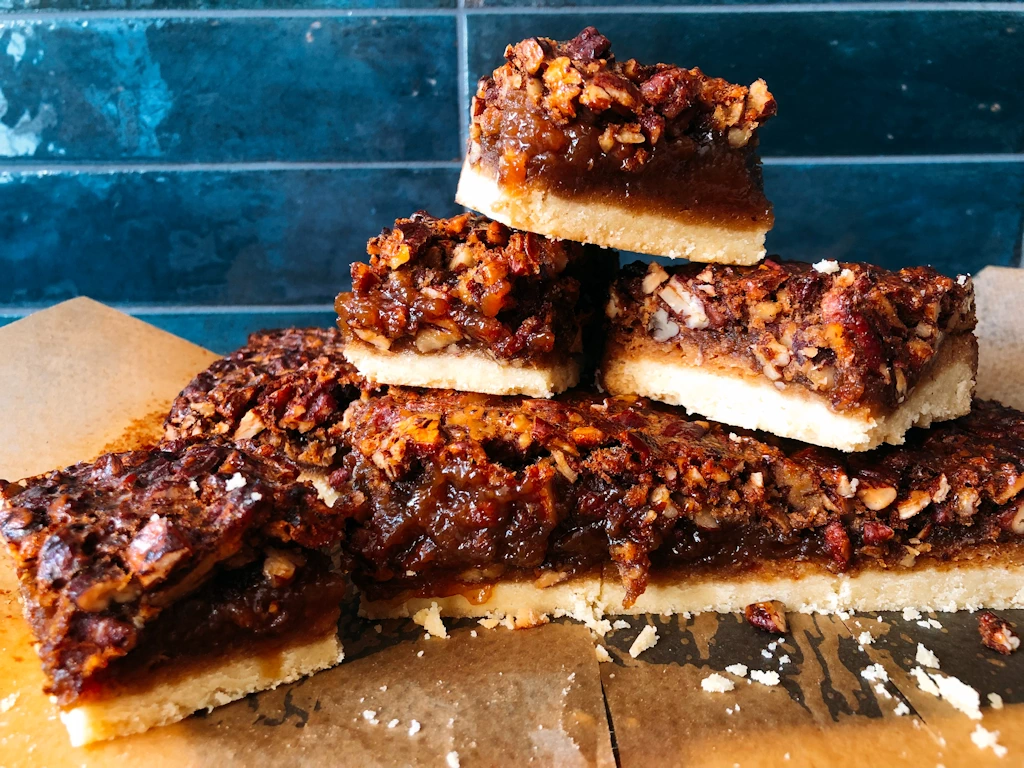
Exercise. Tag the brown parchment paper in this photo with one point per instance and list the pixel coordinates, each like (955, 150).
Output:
(495, 697)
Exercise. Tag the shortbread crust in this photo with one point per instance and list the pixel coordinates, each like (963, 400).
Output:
(733, 396)
(469, 370)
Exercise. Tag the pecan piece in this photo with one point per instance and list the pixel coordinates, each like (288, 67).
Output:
(671, 91)
(563, 83)
(528, 55)
(877, 533)
(587, 45)
(769, 616)
(837, 544)
(997, 634)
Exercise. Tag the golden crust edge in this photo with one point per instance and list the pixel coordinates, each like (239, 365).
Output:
(469, 371)
(971, 585)
(187, 691)
(733, 396)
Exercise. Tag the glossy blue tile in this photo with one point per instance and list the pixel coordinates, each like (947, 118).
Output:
(230, 89)
(958, 218)
(223, 332)
(287, 237)
(850, 83)
(272, 237)
(159, 5)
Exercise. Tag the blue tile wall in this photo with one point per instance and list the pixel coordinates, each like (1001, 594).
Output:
(215, 237)
(216, 165)
(235, 90)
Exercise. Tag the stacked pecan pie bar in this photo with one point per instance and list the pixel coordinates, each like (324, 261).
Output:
(446, 444)
(162, 581)
(848, 356)
(467, 303)
(570, 142)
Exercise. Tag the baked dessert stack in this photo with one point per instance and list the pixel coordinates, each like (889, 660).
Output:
(592, 503)
(815, 442)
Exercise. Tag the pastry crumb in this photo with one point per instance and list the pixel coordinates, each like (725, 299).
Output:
(716, 683)
(8, 701)
(430, 620)
(926, 658)
(765, 678)
(826, 266)
(995, 700)
(740, 670)
(648, 638)
(984, 738)
(602, 653)
(924, 682)
(961, 696)
(414, 727)
(875, 672)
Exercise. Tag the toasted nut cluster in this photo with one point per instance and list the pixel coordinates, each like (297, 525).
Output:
(286, 389)
(467, 281)
(852, 333)
(997, 634)
(768, 616)
(632, 108)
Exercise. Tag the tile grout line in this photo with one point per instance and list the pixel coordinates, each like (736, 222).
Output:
(821, 7)
(144, 310)
(462, 73)
(12, 169)
(156, 167)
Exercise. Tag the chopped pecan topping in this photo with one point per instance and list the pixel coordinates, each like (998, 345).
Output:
(849, 333)
(769, 616)
(287, 389)
(469, 282)
(997, 634)
(551, 96)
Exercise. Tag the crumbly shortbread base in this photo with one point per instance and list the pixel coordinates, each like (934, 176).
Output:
(522, 601)
(177, 695)
(612, 226)
(735, 397)
(468, 371)
(982, 583)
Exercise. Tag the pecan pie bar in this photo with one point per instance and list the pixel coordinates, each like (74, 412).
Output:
(470, 304)
(567, 141)
(847, 356)
(585, 504)
(163, 581)
(286, 389)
